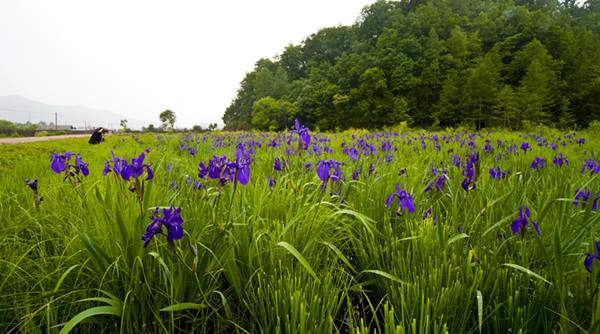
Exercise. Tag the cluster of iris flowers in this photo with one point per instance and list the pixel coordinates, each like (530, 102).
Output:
(71, 164)
(405, 200)
(521, 224)
(469, 172)
(191, 150)
(591, 165)
(329, 170)
(582, 197)
(538, 163)
(304, 137)
(496, 173)
(220, 168)
(560, 160)
(130, 171)
(170, 220)
(438, 181)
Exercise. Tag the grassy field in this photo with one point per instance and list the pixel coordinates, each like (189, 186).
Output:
(310, 248)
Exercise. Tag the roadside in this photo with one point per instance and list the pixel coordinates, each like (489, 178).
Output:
(22, 140)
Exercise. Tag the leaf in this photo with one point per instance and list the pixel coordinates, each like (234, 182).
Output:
(63, 276)
(457, 237)
(493, 227)
(384, 274)
(480, 309)
(299, 257)
(366, 221)
(339, 254)
(91, 312)
(527, 271)
(183, 306)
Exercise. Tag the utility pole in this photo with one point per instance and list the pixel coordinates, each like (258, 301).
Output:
(56, 121)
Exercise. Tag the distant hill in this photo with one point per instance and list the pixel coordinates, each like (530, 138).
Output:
(19, 109)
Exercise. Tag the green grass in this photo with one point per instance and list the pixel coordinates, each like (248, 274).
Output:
(295, 259)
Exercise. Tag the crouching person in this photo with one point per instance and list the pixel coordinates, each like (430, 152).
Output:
(96, 137)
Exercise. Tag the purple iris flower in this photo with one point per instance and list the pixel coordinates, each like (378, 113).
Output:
(521, 224)
(215, 166)
(371, 169)
(581, 196)
(488, 147)
(538, 163)
(456, 160)
(525, 147)
(81, 165)
(355, 174)
(352, 152)
(468, 172)
(304, 136)
(219, 167)
(324, 170)
(438, 182)
(580, 141)
(496, 173)
(386, 146)
(58, 163)
(202, 170)
(130, 171)
(560, 160)
(405, 199)
(308, 166)
(277, 165)
(136, 168)
(171, 220)
(589, 257)
(429, 213)
(62, 163)
(592, 165)
(272, 182)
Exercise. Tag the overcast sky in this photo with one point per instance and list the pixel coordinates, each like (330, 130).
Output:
(137, 58)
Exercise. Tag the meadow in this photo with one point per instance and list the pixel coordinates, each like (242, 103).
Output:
(299, 232)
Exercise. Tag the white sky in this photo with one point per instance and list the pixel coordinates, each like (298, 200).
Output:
(137, 58)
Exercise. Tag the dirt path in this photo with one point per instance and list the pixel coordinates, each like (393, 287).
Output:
(22, 140)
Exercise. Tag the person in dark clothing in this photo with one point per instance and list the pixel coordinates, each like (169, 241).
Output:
(96, 137)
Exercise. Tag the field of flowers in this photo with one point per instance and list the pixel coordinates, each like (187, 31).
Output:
(301, 232)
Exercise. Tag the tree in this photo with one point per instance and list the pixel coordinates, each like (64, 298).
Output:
(123, 124)
(212, 126)
(167, 118)
(481, 91)
(149, 128)
(534, 92)
(271, 114)
(197, 128)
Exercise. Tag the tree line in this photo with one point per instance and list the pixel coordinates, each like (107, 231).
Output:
(434, 63)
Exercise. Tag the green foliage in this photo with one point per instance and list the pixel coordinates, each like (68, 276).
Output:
(10, 129)
(439, 63)
(271, 114)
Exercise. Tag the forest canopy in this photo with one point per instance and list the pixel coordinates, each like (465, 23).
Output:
(434, 63)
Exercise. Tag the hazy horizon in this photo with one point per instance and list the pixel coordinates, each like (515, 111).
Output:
(138, 58)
